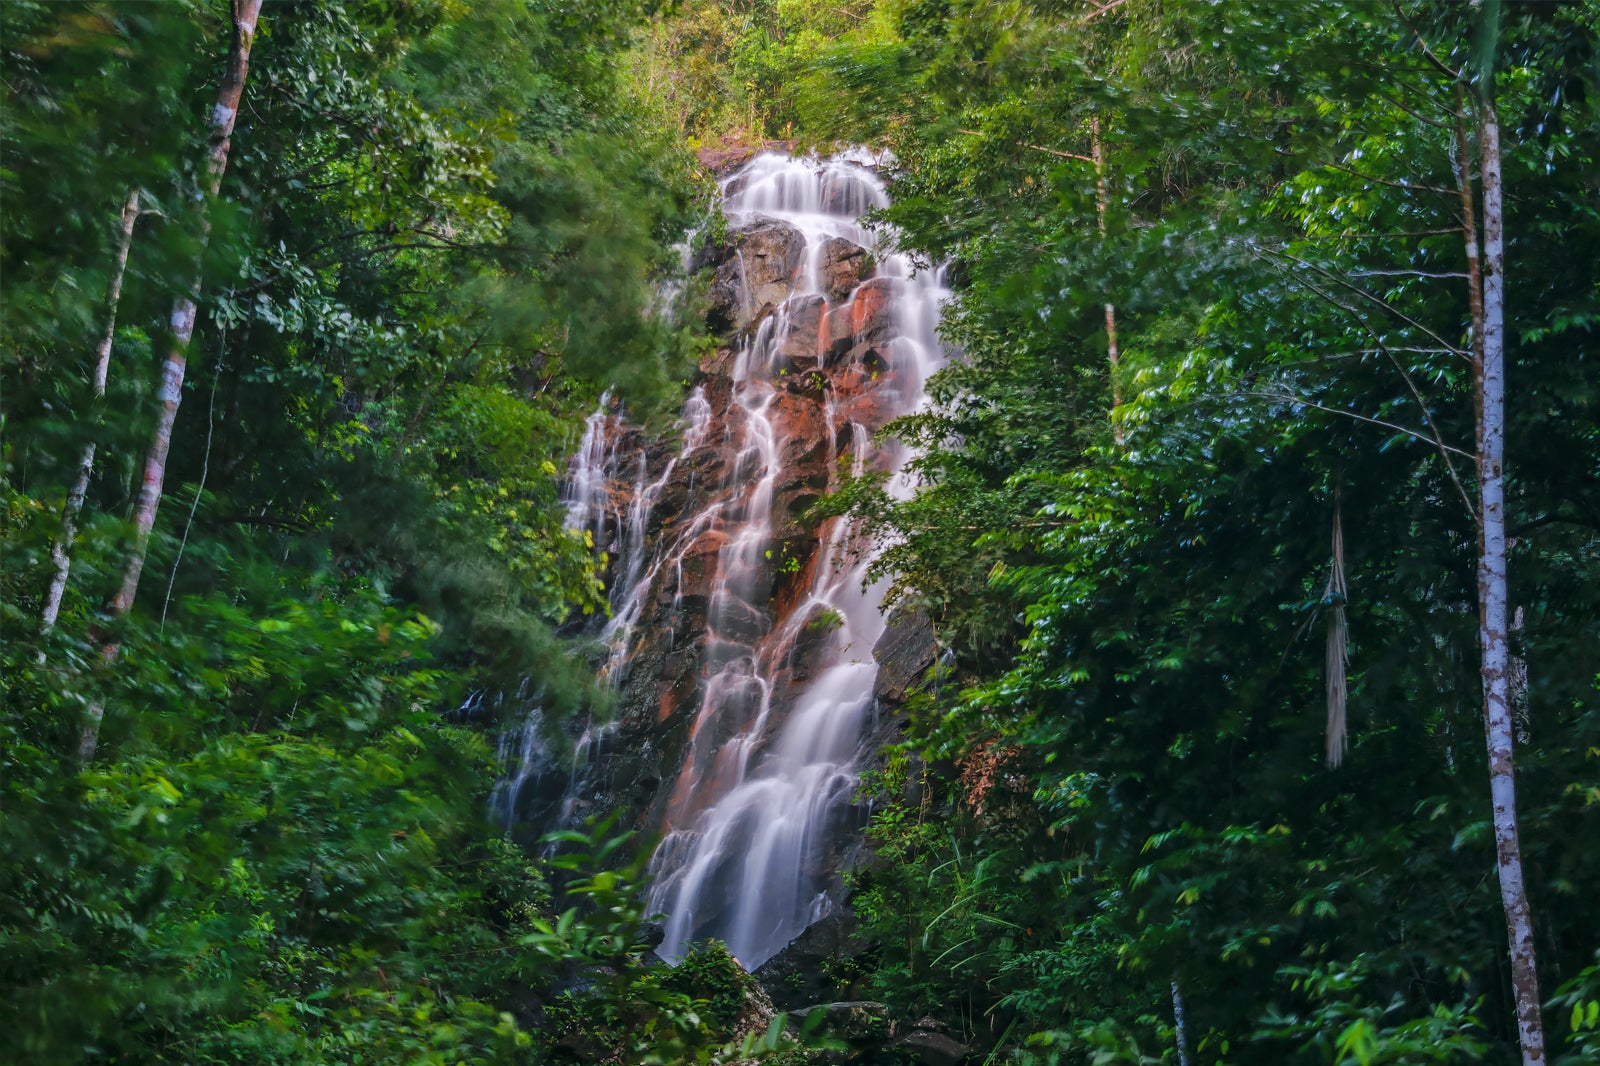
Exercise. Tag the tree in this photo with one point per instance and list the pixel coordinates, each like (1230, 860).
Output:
(1286, 253)
(61, 549)
(1487, 300)
(280, 853)
(222, 119)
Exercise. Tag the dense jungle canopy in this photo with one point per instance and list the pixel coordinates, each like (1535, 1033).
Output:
(1261, 489)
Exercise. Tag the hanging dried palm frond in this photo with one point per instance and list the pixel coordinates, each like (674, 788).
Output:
(1333, 598)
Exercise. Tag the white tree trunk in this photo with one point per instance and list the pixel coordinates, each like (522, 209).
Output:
(1180, 1023)
(223, 116)
(61, 550)
(1494, 620)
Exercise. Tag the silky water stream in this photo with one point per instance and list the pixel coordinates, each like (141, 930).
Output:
(766, 749)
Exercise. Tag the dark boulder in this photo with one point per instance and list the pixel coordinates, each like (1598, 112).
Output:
(928, 1047)
(756, 266)
(904, 653)
(800, 351)
(860, 1023)
(844, 265)
(766, 261)
(800, 973)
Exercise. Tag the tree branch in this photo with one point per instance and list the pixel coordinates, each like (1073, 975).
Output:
(1364, 294)
(1101, 10)
(1409, 186)
(1290, 398)
(1439, 64)
(1039, 148)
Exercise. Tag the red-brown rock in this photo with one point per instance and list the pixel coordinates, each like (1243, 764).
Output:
(864, 320)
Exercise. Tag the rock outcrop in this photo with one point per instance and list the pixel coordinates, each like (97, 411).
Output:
(932, 1046)
(863, 1033)
(845, 264)
(756, 268)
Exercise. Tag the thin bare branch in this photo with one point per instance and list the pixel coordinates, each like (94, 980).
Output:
(1371, 297)
(1405, 185)
(1038, 148)
(1101, 10)
(1406, 274)
(1415, 114)
(1416, 34)
(1411, 385)
(1290, 398)
(1398, 235)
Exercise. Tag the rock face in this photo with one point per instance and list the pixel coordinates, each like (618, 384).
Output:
(862, 1033)
(845, 265)
(862, 324)
(740, 633)
(806, 971)
(768, 257)
(904, 653)
(756, 267)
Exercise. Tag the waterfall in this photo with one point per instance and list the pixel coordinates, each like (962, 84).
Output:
(741, 636)
(756, 803)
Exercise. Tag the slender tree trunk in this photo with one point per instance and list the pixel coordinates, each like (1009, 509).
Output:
(1494, 621)
(1180, 1023)
(223, 116)
(61, 550)
(1102, 204)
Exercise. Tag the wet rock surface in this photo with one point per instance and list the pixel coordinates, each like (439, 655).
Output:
(757, 267)
(844, 265)
(863, 322)
(679, 515)
(904, 653)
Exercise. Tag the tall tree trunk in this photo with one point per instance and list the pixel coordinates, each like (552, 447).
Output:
(223, 116)
(1494, 622)
(61, 550)
(1102, 204)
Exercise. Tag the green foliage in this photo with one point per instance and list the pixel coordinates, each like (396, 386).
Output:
(273, 880)
(435, 242)
(1127, 560)
(729, 73)
(1342, 1028)
(1576, 1010)
(715, 982)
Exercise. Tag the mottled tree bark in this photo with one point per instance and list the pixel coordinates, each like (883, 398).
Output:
(1494, 632)
(223, 116)
(61, 550)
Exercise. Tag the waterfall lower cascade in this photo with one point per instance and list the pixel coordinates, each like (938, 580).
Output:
(741, 637)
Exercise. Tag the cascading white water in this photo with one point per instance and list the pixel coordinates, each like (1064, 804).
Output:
(585, 495)
(753, 812)
(637, 579)
(755, 808)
